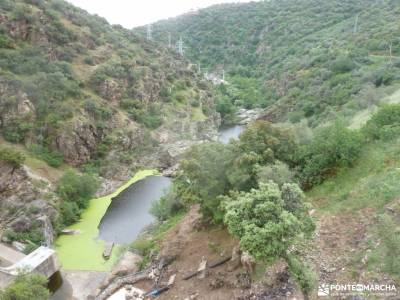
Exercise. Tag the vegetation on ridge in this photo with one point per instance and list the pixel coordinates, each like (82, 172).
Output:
(313, 59)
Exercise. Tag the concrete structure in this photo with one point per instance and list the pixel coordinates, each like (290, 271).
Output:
(43, 261)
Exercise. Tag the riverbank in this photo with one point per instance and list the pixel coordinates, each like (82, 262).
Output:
(84, 251)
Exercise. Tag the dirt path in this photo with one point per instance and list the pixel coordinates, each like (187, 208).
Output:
(338, 237)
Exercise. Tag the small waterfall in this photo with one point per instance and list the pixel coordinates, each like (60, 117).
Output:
(47, 230)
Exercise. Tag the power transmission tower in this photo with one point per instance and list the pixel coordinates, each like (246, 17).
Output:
(199, 68)
(169, 39)
(223, 74)
(149, 32)
(180, 46)
(355, 29)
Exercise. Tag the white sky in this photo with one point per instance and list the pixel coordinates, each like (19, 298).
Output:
(131, 13)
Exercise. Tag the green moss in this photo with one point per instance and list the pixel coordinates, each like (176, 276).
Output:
(84, 251)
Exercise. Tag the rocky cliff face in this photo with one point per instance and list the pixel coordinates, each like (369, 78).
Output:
(26, 203)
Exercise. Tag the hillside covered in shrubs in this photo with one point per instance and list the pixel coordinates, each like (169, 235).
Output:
(300, 59)
(68, 76)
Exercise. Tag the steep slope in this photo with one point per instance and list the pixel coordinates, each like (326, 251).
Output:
(70, 76)
(311, 58)
(78, 92)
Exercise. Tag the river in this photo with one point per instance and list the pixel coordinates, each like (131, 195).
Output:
(117, 218)
(231, 132)
(128, 213)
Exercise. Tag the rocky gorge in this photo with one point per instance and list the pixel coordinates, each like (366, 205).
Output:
(77, 93)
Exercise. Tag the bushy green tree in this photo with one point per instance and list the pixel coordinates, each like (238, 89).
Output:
(226, 108)
(26, 287)
(203, 176)
(268, 141)
(260, 220)
(332, 147)
(77, 188)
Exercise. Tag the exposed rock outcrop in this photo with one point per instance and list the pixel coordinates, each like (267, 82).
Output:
(78, 142)
(21, 206)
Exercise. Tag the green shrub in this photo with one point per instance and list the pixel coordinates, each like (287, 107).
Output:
(70, 213)
(332, 147)
(278, 172)
(151, 117)
(89, 61)
(389, 234)
(204, 177)
(76, 188)
(384, 76)
(128, 104)
(16, 131)
(97, 110)
(52, 158)
(269, 141)
(195, 103)
(260, 220)
(343, 64)
(5, 42)
(385, 124)
(26, 287)
(226, 108)
(12, 157)
(142, 246)
(33, 234)
(302, 273)
(166, 206)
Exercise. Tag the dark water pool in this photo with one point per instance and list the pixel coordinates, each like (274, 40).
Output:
(227, 133)
(129, 213)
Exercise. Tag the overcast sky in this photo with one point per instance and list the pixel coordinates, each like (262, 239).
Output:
(131, 13)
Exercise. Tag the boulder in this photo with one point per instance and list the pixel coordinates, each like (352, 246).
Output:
(129, 263)
(234, 263)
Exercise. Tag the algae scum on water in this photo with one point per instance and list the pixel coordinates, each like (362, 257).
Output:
(84, 251)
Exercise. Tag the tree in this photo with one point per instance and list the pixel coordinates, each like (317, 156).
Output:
(77, 188)
(269, 141)
(203, 177)
(278, 172)
(26, 287)
(332, 147)
(262, 221)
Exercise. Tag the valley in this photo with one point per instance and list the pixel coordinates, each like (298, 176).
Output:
(257, 160)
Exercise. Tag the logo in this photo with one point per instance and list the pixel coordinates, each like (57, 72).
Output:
(323, 290)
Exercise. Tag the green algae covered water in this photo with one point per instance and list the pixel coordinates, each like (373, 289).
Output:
(84, 251)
